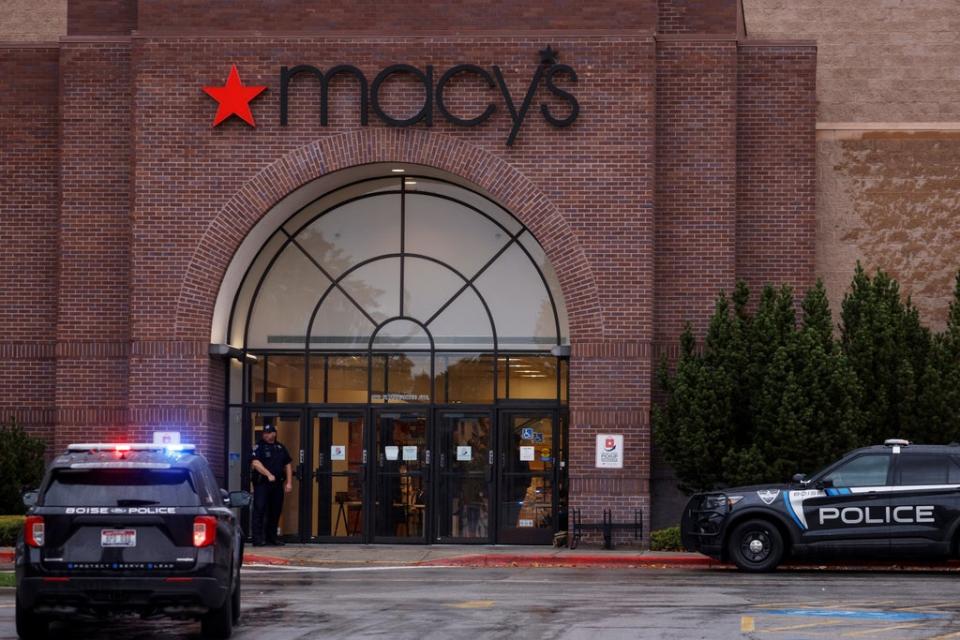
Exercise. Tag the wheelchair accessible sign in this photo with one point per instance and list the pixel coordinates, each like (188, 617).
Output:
(609, 451)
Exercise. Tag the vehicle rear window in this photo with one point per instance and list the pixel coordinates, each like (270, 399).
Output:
(121, 488)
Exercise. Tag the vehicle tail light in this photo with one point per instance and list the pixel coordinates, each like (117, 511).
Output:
(33, 530)
(204, 531)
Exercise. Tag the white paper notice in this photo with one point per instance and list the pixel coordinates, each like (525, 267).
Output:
(409, 453)
(392, 453)
(338, 452)
(527, 453)
(525, 523)
(464, 454)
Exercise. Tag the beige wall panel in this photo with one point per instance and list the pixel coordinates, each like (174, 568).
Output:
(877, 60)
(33, 20)
(892, 203)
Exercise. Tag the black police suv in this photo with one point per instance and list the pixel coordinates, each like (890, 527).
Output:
(129, 529)
(892, 501)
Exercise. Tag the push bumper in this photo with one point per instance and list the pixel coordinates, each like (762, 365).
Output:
(103, 596)
(701, 526)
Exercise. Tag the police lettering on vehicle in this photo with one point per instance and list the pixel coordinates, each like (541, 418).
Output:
(146, 511)
(905, 514)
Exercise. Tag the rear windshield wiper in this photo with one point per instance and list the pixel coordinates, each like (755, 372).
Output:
(134, 502)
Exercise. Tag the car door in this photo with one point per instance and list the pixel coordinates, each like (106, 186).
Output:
(923, 503)
(845, 511)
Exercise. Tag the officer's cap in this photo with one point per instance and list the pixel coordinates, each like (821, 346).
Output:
(269, 428)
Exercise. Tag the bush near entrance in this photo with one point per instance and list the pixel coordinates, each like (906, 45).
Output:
(770, 395)
(666, 540)
(21, 466)
(10, 527)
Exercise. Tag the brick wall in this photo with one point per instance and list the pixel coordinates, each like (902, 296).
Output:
(713, 17)
(28, 232)
(101, 17)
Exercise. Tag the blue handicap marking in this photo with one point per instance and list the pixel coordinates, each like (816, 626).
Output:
(891, 616)
(527, 433)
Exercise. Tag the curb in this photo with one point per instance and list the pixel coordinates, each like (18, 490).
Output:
(572, 561)
(6, 556)
(255, 558)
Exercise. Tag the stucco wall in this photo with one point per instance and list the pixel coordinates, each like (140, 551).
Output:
(888, 141)
(33, 20)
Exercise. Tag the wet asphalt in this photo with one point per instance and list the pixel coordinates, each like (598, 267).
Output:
(285, 603)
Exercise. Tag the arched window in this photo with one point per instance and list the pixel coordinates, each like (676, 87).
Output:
(406, 263)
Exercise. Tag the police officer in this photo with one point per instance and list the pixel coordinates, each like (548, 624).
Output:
(270, 460)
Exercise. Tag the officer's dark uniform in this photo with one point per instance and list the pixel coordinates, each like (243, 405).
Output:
(268, 496)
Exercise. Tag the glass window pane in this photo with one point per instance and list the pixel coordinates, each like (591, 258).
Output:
(463, 325)
(501, 377)
(354, 232)
(518, 300)
(864, 471)
(533, 377)
(464, 377)
(331, 200)
(315, 383)
(401, 334)
(407, 378)
(236, 381)
(376, 288)
(347, 378)
(285, 302)
(501, 215)
(257, 377)
(241, 305)
(540, 259)
(339, 324)
(285, 382)
(460, 237)
(924, 469)
(564, 380)
(426, 287)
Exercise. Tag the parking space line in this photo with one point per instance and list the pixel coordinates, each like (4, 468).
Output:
(746, 624)
(872, 631)
(808, 625)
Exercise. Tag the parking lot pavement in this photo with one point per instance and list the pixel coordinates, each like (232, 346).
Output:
(590, 604)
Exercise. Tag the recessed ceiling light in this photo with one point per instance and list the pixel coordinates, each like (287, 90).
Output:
(410, 182)
(398, 170)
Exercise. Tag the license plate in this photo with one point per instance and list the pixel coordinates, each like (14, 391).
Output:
(118, 537)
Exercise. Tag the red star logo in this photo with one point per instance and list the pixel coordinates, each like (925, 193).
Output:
(234, 99)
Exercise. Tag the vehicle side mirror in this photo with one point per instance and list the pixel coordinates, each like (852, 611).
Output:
(800, 478)
(240, 499)
(30, 498)
(825, 484)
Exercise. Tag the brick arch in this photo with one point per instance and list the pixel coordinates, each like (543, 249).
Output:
(508, 186)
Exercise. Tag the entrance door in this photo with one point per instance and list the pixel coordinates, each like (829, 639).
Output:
(289, 433)
(528, 446)
(464, 473)
(400, 476)
(337, 463)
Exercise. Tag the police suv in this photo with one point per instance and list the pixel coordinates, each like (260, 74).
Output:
(129, 529)
(894, 500)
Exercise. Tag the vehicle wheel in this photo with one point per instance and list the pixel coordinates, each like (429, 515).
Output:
(29, 625)
(756, 545)
(235, 605)
(218, 623)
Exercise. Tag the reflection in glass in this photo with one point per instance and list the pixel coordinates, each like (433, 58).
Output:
(317, 381)
(401, 378)
(347, 378)
(464, 377)
(340, 324)
(257, 378)
(464, 494)
(376, 288)
(285, 378)
(533, 377)
(401, 460)
(527, 503)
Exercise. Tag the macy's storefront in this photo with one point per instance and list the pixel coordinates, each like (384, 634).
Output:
(441, 253)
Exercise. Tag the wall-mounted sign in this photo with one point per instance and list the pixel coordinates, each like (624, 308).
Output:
(609, 451)
(234, 98)
(166, 437)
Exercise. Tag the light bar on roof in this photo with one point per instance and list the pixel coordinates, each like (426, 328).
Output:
(123, 446)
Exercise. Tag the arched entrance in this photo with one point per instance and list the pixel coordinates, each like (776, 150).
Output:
(407, 337)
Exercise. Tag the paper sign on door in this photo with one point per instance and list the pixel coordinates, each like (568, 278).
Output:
(392, 453)
(527, 454)
(338, 452)
(464, 453)
(409, 453)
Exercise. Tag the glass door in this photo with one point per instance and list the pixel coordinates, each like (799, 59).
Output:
(337, 462)
(400, 476)
(290, 434)
(464, 473)
(527, 512)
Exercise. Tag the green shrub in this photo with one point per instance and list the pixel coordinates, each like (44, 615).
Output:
(666, 539)
(21, 466)
(10, 527)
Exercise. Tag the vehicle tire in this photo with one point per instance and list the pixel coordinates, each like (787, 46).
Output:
(756, 545)
(235, 605)
(218, 623)
(30, 626)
